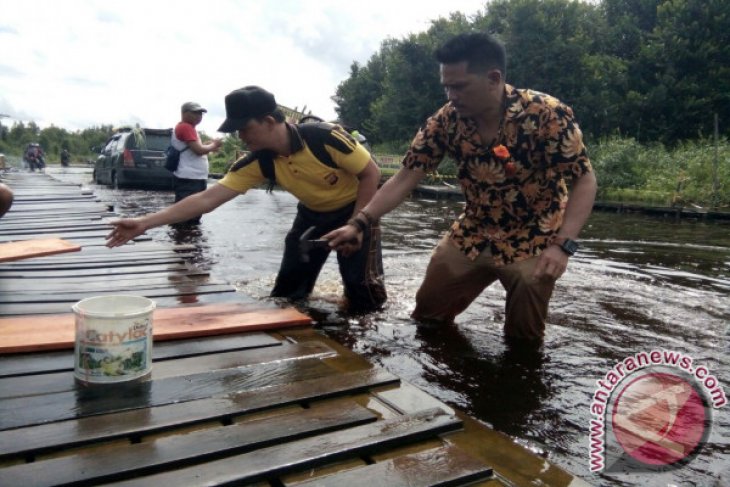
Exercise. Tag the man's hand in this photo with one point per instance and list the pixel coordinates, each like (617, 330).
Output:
(551, 264)
(124, 231)
(346, 239)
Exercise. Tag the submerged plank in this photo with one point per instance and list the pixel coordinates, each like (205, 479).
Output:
(80, 264)
(150, 292)
(54, 332)
(438, 467)
(51, 383)
(25, 249)
(49, 362)
(101, 271)
(66, 434)
(128, 461)
(89, 401)
(307, 453)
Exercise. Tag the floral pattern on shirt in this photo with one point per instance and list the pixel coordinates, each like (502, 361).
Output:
(514, 205)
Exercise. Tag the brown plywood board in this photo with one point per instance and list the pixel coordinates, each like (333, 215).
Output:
(53, 332)
(25, 249)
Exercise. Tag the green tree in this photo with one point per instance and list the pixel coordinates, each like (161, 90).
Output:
(411, 90)
(356, 95)
(688, 75)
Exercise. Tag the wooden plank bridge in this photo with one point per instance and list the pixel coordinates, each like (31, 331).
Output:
(240, 393)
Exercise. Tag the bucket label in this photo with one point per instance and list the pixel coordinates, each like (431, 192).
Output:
(106, 354)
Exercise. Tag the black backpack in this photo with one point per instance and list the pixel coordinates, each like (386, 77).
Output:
(314, 134)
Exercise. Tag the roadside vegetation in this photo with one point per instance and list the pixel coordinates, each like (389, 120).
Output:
(648, 80)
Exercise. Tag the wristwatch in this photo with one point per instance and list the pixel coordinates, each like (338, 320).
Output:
(567, 245)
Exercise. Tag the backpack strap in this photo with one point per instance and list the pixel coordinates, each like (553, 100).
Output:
(265, 159)
(317, 135)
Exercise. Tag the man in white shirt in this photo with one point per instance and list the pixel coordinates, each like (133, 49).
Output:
(191, 175)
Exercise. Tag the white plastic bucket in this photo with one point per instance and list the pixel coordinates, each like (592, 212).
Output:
(113, 338)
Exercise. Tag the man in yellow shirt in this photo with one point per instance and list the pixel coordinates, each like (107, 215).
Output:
(328, 171)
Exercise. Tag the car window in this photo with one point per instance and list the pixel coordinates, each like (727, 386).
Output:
(111, 145)
(120, 142)
(157, 141)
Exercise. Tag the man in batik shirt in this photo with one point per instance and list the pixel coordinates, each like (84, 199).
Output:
(514, 151)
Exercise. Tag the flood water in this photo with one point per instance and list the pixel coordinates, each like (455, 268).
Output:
(638, 284)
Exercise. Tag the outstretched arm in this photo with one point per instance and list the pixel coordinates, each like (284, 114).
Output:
(128, 228)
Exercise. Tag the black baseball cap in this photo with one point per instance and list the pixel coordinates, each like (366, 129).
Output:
(244, 104)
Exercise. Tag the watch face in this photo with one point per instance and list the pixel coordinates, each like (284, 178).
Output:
(570, 246)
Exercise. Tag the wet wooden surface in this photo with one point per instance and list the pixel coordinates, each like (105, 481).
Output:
(280, 407)
(284, 407)
(45, 208)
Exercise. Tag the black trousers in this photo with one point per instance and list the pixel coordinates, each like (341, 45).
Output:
(186, 187)
(362, 272)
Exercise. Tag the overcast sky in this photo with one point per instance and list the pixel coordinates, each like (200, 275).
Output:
(82, 63)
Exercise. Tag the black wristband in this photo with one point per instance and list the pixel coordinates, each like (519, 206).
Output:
(357, 223)
(367, 216)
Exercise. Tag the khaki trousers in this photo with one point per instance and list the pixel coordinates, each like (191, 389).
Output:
(453, 281)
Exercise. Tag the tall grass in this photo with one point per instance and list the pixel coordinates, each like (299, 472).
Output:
(683, 175)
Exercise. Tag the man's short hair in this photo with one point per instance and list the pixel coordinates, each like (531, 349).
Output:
(481, 52)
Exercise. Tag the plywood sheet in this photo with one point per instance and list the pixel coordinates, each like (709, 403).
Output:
(24, 249)
(54, 332)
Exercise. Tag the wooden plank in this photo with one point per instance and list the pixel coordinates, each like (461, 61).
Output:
(128, 461)
(138, 269)
(142, 247)
(176, 290)
(24, 216)
(67, 434)
(123, 286)
(86, 256)
(19, 233)
(65, 283)
(86, 234)
(437, 467)
(54, 332)
(273, 461)
(39, 309)
(46, 362)
(30, 266)
(51, 383)
(57, 207)
(37, 221)
(8, 228)
(26, 249)
(89, 401)
(35, 199)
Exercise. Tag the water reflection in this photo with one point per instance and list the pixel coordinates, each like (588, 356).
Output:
(638, 284)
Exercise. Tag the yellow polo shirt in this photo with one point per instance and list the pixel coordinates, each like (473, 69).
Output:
(316, 185)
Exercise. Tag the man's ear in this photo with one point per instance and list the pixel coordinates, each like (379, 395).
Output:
(269, 120)
(495, 76)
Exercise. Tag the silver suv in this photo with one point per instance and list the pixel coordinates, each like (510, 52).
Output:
(135, 158)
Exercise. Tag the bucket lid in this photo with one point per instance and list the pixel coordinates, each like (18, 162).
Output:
(114, 306)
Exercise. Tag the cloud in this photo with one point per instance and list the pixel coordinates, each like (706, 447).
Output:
(80, 63)
(10, 71)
